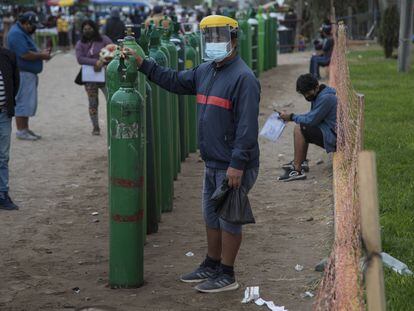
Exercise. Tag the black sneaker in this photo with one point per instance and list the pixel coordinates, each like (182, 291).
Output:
(200, 274)
(221, 283)
(6, 203)
(289, 166)
(291, 175)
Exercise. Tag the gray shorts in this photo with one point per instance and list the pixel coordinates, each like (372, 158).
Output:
(213, 178)
(26, 98)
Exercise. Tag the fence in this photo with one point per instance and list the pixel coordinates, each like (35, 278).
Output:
(341, 287)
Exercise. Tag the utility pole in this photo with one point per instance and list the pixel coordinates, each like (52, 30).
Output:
(383, 4)
(371, 13)
(299, 23)
(406, 32)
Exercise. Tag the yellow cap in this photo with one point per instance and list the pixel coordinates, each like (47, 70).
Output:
(218, 21)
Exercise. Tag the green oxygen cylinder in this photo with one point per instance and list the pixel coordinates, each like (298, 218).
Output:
(140, 85)
(262, 39)
(172, 50)
(153, 203)
(112, 74)
(191, 102)
(156, 135)
(254, 24)
(112, 82)
(143, 40)
(172, 63)
(195, 43)
(164, 111)
(178, 41)
(129, 42)
(175, 142)
(275, 35)
(267, 40)
(126, 175)
(245, 39)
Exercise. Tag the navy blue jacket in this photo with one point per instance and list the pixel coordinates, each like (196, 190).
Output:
(322, 115)
(229, 99)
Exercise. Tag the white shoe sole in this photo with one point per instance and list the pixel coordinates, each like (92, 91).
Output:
(193, 281)
(27, 139)
(230, 287)
(294, 178)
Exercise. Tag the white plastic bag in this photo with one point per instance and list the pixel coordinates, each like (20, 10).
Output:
(273, 127)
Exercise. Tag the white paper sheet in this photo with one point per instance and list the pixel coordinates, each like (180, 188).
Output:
(90, 75)
(273, 127)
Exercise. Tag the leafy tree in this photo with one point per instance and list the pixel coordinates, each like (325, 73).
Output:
(389, 30)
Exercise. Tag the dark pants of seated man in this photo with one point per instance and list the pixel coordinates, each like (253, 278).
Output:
(316, 62)
(312, 135)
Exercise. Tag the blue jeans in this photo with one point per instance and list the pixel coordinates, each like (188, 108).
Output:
(5, 133)
(316, 62)
(213, 178)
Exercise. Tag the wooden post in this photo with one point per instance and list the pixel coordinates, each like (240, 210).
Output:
(371, 235)
(361, 102)
(350, 23)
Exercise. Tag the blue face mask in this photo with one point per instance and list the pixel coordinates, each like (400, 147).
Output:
(217, 51)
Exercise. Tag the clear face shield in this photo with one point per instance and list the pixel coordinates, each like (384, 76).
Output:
(216, 43)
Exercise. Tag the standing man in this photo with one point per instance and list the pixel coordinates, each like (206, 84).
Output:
(228, 94)
(30, 63)
(317, 127)
(62, 25)
(115, 27)
(9, 85)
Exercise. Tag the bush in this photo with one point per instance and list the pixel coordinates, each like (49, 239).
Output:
(389, 30)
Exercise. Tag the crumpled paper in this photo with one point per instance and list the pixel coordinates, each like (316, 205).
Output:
(252, 294)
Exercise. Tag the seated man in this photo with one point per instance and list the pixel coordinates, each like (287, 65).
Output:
(318, 126)
(323, 58)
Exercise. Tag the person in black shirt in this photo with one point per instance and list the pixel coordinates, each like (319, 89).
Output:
(115, 28)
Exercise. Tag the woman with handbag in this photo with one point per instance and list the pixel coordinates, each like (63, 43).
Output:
(87, 53)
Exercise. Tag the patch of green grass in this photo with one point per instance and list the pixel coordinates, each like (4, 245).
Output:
(389, 131)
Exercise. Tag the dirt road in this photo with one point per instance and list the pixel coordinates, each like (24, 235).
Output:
(52, 244)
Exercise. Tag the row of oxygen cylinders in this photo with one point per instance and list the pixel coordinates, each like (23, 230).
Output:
(150, 132)
(258, 39)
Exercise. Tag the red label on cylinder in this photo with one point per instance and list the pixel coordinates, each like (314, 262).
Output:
(127, 183)
(129, 218)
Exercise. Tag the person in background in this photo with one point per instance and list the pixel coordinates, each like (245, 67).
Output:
(317, 127)
(9, 85)
(8, 21)
(142, 14)
(30, 63)
(87, 53)
(114, 27)
(78, 19)
(63, 32)
(323, 58)
(156, 16)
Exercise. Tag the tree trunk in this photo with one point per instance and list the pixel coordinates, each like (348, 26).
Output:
(388, 50)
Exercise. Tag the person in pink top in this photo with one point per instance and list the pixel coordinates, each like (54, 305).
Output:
(87, 53)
